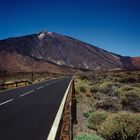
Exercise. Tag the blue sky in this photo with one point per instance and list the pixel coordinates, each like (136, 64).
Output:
(113, 25)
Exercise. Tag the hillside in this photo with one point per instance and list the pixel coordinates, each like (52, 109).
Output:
(46, 51)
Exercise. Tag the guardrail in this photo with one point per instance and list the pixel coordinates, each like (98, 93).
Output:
(15, 84)
(62, 128)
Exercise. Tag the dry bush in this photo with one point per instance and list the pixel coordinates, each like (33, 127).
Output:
(88, 94)
(93, 89)
(105, 87)
(109, 104)
(129, 97)
(131, 101)
(88, 137)
(96, 119)
(121, 126)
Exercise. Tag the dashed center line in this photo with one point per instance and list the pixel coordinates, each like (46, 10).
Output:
(6, 101)
(26, 93)
(51, 83)
(40, 87)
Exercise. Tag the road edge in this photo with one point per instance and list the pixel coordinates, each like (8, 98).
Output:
(54, 128)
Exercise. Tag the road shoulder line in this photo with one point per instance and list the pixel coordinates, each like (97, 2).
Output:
(54, 128)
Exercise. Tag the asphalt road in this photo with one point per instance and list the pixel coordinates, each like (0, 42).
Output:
(28, 113)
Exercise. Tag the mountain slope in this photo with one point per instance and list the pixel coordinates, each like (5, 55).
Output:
(64, 51)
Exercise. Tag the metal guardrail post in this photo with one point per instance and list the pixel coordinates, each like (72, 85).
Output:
(16, 84)
(26, 83)
(2, 85)
(73, 105)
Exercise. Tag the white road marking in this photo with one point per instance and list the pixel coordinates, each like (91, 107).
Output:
(53, 82)
(54, 128)
(6, 102)
(27, 93)
(49, 83)
(40, 87)
(46, 85)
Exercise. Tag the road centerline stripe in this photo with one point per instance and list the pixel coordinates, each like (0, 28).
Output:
(40, 87)
(6, 101)
(27, 93)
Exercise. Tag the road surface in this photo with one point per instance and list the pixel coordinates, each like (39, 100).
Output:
(27, 113)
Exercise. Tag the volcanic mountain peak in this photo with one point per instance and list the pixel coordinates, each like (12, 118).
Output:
(65, 51)
(47, 34)
(43, 34)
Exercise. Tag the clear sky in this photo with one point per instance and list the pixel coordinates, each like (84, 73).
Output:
(113, 25)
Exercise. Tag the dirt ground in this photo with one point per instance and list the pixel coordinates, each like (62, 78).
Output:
(83, 105)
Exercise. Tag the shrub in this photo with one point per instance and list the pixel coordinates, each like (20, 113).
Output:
(105, 87)
(82, 88)
(88, 94)
(127, 88)
(122, 126)
(129, 98)
(93, 89)
(109, 104)
(128, 79)
(123, 89)
(88, 137)
(96, 118)
(88, 114)
(83, 76)
(117, 79)
(131, 101)
(90, 83)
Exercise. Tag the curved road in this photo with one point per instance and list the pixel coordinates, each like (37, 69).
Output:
(27, 113)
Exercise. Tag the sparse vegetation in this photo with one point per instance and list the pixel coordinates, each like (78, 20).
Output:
(88, 137)
(105, 87)
(94, 89)
(113, 109)
(82, 88)
(95, 119)
(129, 97)
(87, 114)
(121, 126)
(109, 104)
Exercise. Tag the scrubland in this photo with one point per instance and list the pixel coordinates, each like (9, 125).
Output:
(108, 106)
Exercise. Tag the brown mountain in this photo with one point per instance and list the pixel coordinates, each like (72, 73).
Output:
(52, 52)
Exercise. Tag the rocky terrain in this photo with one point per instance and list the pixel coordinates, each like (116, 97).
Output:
(47, 51)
